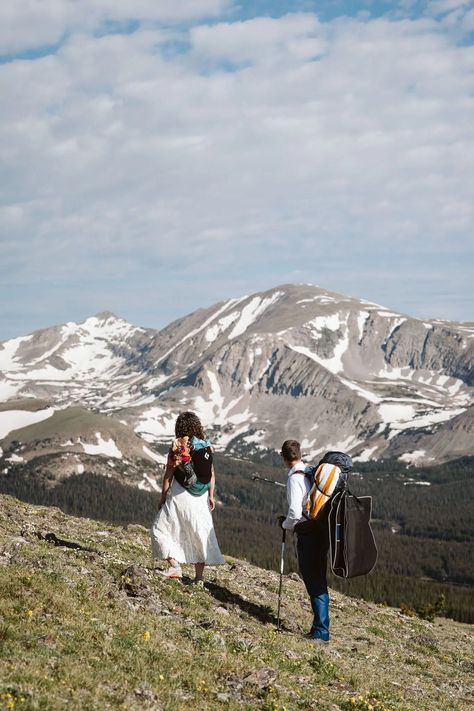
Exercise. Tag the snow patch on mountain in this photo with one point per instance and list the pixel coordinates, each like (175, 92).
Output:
(402, 416)
(397, 415)
(390, 373)
(332, 322)
(264, 370)
(213, 412)
(106, 328)
(148, 483)
(396, 324)
(8, 390)
(256, 437)
(362, 317)
(252, 311)
(222, 325)
(366, 454)
(345, 445)
(334, 364)
(12, 420)
(8, 353)
(308, 444)
(363, 392)
(202, 327)
(79, 351)
(225, 439)
(238, 417)
(413, 457)
(236, 365)
(15, 459)
(47, 374)
(90, 358)
(156, 424)
(158, 458)
(103, 446)
(427, 419)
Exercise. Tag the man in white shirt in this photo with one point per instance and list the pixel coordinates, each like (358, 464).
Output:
(312, 539)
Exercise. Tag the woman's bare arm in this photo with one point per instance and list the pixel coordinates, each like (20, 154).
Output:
(167, 481)
(212, 503)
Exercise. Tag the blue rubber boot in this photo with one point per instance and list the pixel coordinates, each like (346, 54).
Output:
(320, 626)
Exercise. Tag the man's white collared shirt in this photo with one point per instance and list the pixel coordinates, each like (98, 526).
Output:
(297, 490)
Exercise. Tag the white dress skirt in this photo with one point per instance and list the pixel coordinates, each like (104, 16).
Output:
(184, 530)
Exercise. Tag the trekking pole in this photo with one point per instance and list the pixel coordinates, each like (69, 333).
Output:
(282, 563)
(268, 481)
(282, 553)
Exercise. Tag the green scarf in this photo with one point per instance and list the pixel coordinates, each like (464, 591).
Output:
(199, 489)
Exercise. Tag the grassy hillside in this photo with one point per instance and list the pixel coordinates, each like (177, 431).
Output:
(425, 534)
(87, 623)
(70, 424)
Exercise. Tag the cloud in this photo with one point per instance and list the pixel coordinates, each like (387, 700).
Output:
(31, 24)
(454, 15)
(442, 7)
(191, 165)
(468, 22)
(294, 36)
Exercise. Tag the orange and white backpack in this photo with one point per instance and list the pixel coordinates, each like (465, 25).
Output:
(326, 479)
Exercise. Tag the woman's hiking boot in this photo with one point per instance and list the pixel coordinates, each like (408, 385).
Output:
(174, 572)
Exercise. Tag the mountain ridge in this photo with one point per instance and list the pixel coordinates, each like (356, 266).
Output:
(258, 368)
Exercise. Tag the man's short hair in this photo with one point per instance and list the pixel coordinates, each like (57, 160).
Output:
(291, 450)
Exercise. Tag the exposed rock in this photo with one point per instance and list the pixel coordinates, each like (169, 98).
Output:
(133, 581)
(297, 358)
(261, 677)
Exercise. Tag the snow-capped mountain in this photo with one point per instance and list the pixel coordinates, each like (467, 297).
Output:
(294, 361)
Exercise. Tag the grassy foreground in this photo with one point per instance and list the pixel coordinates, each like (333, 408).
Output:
(86, 622)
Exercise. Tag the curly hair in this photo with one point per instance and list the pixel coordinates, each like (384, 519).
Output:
(189, 424)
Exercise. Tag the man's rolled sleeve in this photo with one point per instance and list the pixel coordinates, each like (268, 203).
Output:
(295, 491)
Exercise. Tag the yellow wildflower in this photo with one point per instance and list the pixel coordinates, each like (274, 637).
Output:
(161, 677)
(29, 614)
(146, 636)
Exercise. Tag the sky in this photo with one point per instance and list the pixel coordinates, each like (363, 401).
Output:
(158, 156)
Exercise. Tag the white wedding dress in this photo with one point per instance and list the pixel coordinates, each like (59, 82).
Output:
(184, 530)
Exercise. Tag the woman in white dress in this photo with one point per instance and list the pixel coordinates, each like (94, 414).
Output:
(183, 531)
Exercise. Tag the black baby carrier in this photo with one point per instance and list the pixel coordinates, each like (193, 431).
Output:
(353, 550)
(197, 470)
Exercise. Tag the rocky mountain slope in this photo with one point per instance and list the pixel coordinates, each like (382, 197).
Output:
(87, 622)
(54, 444)
(297, 360)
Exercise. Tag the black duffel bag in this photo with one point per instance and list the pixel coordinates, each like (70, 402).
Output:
(353, 550)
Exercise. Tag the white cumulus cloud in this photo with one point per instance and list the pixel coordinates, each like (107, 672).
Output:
(28, 24)
(264, 150)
